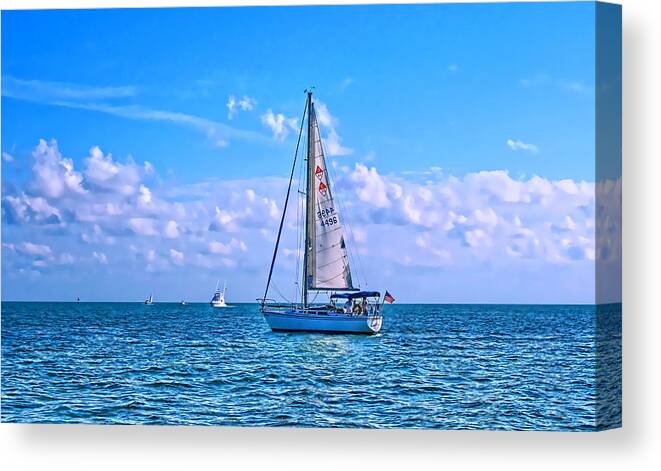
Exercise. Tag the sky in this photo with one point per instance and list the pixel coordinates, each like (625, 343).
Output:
(147, 151)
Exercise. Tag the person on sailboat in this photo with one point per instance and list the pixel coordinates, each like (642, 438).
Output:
(347, 307)
(356, 308)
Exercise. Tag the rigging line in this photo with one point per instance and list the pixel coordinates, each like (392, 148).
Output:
(284, 209)
(277, 290)
(299, 248)
(298, 232)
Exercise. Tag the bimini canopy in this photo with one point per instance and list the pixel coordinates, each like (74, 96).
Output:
(358, 294)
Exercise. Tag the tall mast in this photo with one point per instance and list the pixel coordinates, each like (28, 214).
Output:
(309, 209)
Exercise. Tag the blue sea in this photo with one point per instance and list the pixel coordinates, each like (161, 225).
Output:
(432, 366)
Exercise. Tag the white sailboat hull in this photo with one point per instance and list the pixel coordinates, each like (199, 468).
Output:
(218, 304)
(328, 322)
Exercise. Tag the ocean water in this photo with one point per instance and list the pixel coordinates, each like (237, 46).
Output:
(432, 366)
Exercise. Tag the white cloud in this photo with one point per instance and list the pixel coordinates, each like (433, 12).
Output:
(520, 145)
(323, 115)
(148, 168)
(223, 221)
(489, 213)
(143, 226)
(213, 130)
(171, 230)
(44, 90)
(23, 208)
(53, 174)
(219, 248)
(279, 124)
(221, 143)
(370, 186)
(245, 103)
(477, 238)
(359, 235)
(176, 257)
(7, 157)
(151, 255)
(95, 235)
(481, 219)
(99, 99)
(231, 106)
(332, 142)
(144, 197)
(35, 249)
(334, 146)
(422, 240)
(444, 256)
(228, 262)
(102, 172)
(486, 216)
(100, 257)
(292, 253)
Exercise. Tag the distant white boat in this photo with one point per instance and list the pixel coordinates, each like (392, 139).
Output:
(150, 300)
(183, 303)
(218, 299)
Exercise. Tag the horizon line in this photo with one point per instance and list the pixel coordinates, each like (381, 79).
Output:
(255, 302)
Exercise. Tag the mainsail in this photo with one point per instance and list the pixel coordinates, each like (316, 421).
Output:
(327, 261)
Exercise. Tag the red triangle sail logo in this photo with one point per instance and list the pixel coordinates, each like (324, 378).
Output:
(319, 173)
(322, 187)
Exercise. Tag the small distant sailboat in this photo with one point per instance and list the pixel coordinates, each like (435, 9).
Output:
(183, 303)
(325, 259)
(218, 299)
(150, 300)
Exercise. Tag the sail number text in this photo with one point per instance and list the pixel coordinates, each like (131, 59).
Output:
(327, 217)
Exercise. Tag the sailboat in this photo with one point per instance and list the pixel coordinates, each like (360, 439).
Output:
(149, 300)
(325, 264)
(218, 299)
